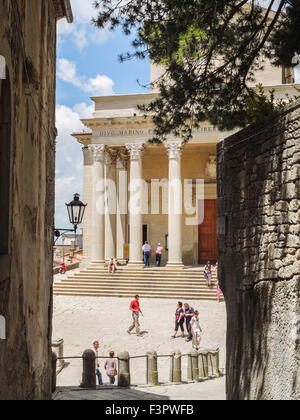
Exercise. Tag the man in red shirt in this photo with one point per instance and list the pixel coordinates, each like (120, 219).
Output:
(136, 310)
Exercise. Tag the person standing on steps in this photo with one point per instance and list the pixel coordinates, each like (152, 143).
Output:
(208, 273)
(158, 254)
(136, 311)
(98, 373)
(147, 253)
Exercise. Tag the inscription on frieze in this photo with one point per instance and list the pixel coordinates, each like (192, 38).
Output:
(141, 132)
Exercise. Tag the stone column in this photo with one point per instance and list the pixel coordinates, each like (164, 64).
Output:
(135, 204)
(98, 227)
(122, 207)
(110, 206)
(175, 205)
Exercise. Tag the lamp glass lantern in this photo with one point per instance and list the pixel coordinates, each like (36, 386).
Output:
(76, 211)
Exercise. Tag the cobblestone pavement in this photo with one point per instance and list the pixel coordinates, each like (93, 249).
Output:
(82, 320)
(209, 390)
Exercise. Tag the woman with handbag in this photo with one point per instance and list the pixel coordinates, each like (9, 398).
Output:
(111, 368)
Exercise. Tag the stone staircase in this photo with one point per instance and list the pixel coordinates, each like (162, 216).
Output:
(148, 283)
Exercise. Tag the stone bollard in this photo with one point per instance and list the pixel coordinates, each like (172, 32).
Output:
(189, 368)
(215, 363)
(54, 363)
(124, 369)
(175, 368)
(89, 370)
(195, 365)
(152, 372)
(203, 364)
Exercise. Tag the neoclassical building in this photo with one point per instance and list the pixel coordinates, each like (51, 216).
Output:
(139, 192)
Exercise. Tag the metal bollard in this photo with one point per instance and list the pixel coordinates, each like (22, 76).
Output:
(189, 368)
(203, 364)
(124, 369)
(195, 365)
(176, 374)
(152, 372)
(89, 370)
(54, 363)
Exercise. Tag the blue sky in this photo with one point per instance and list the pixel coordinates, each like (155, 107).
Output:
(87, 65)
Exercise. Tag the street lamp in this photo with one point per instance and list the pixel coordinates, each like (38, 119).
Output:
(76, 211)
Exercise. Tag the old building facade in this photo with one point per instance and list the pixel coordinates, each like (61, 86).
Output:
(183, 218)
(27, 163)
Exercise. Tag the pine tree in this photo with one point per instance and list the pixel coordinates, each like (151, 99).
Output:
(210, 51)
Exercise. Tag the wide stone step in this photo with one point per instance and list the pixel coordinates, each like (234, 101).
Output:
(138, 276)
(114, 279)
(169, 295)
(135, 284)
(131, 287)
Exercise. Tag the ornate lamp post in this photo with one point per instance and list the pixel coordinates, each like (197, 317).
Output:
(76, 211)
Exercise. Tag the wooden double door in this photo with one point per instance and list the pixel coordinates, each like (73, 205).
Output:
(207, 239)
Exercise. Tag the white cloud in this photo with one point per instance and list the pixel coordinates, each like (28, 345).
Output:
(100, 85)
(67, 71)
(82, 32)
(69, 159)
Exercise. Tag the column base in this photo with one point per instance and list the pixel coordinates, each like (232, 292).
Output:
(178, 265)
(121, 261)
(97, 263)
(137, 265)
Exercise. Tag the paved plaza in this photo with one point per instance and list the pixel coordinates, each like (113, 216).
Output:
(81, 320)
(210, 390)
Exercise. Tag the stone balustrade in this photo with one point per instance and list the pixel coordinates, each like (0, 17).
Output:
(202, 365)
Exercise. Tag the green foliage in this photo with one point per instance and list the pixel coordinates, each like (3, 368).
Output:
(210, 51)
(262, 104)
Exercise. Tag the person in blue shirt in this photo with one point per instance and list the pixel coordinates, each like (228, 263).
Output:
(188, 314)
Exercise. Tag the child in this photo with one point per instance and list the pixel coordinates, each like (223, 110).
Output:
(196, 330)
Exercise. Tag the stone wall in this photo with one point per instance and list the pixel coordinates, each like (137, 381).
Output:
(27, 41)
(259, 255)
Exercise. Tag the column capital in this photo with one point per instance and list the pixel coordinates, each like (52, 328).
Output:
(97, 151)
(135, 150)
(121, 164)
(174, 148)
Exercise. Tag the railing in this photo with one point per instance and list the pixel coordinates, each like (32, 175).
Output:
(201, 365)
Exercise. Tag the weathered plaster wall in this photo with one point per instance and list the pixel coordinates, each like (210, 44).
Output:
(259, 213)
(29, 30)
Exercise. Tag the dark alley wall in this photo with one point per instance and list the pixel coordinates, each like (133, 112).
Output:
(28, 45)
(259, 256)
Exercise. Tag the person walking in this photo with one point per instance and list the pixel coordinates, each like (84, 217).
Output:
(179, 320)
(110, 366)
(188, 314)
(158, 254)
(147, 254)
(136, 311)
(98, 373)
(196, 330)
(208, 274)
